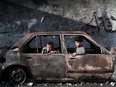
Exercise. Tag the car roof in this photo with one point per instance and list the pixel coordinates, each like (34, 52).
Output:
(63, 32)
(28, 35)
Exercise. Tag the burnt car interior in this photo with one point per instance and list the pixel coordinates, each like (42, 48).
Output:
(36, 44)
(90, 47)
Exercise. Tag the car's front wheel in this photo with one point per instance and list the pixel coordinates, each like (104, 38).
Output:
(17, 76)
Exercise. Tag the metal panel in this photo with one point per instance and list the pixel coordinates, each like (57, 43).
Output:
(90, 62)
(47, 66)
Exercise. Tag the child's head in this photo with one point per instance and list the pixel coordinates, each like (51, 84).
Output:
(49, 46)
(78, 41)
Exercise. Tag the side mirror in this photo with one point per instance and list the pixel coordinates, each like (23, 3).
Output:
(2, 60)
(113, 50)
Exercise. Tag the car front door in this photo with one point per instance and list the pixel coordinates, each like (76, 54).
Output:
(92, 63)
(44, 66)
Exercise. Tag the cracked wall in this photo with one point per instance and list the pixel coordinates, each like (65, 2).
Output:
(19, 17)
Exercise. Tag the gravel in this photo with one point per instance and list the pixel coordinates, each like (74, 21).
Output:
(82, 84)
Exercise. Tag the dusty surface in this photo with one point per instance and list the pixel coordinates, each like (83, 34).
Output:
(82, 84)
(16, 19)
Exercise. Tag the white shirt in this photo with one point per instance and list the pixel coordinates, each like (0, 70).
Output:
(80, 50)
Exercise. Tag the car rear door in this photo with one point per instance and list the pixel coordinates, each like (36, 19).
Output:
(94, 62)
(90, 63)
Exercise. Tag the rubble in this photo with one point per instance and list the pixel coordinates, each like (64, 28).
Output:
(30, 84)
(112, 83)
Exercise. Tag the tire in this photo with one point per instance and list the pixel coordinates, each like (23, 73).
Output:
(17, 76)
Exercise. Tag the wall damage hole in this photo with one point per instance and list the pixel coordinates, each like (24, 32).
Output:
(40, 2)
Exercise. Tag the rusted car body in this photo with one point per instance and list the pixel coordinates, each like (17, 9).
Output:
(23, 62)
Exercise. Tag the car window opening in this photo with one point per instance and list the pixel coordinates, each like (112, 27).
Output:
(37, 43)
(89, 46)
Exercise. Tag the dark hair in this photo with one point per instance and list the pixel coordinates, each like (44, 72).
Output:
(79, 39)
(50, 43)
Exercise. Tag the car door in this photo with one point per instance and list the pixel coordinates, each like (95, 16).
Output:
(45, 66)
(93, 62)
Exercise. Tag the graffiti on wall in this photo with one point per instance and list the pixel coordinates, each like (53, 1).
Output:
(103, 22)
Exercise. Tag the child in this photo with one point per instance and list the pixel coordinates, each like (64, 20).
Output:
(49, 48)
(79, 48)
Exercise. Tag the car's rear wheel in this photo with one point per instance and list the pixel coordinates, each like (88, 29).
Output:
(17, 76)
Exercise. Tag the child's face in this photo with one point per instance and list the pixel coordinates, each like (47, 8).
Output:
(78, 44)
(49, 48)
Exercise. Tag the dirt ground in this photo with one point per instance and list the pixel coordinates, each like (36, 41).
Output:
(81, 84)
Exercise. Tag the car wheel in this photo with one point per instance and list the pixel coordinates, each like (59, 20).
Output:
(17, 76)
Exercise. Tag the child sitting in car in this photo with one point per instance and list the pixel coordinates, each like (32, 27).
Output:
(79, 48)
(49, 49)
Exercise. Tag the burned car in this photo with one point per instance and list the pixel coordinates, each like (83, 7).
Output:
(24, 60)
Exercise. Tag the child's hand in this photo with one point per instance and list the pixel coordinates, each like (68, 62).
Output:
(74, 54)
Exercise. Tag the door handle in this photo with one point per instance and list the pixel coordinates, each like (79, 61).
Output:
(28, 58)
(72, 58)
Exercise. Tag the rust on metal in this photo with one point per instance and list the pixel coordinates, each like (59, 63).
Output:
(62, 66)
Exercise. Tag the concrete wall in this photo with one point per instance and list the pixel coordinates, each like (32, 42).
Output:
(18, 17)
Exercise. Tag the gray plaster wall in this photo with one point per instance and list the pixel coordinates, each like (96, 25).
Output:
(18, 17)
